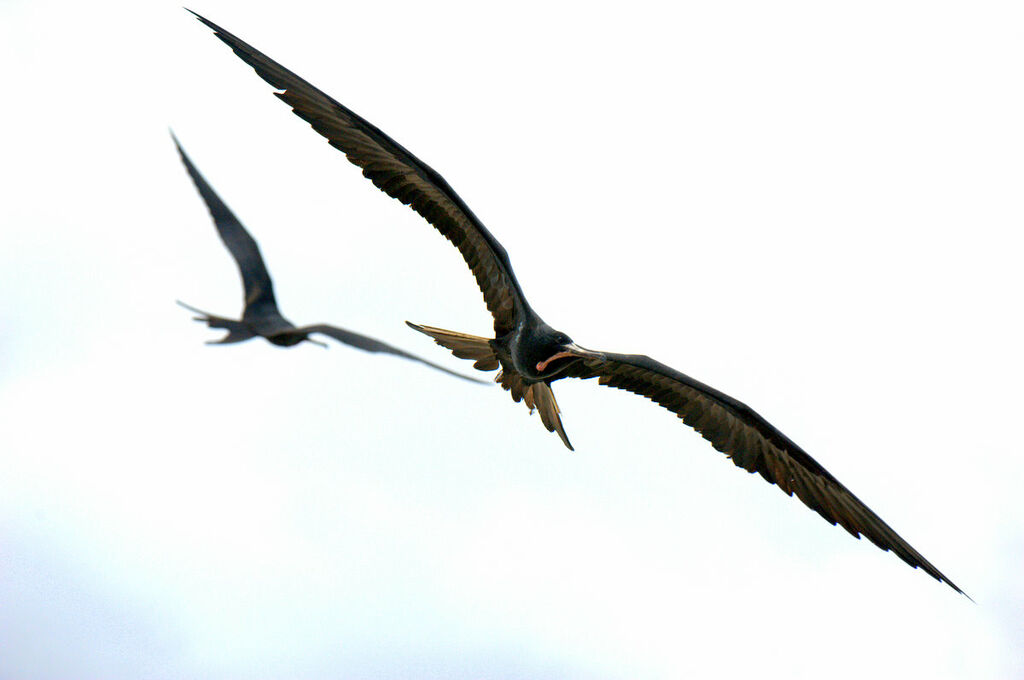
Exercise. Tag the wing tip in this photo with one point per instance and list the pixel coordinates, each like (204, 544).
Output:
(201, 18)
(941, 578)
(206, 22)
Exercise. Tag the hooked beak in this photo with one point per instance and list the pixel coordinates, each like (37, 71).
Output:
(571, 350)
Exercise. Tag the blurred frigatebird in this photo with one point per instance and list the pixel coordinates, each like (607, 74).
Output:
(531, 355)
(261, 317)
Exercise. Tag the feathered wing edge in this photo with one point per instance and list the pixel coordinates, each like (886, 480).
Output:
(753, 444)
(398, 173)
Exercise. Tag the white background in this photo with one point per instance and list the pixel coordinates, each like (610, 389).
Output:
(815, 207)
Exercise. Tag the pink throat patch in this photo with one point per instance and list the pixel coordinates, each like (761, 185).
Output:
(544, 364)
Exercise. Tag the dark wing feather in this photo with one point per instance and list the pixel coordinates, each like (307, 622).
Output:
(399, 174)
(369, 344)
(753, 444)
(259, 290)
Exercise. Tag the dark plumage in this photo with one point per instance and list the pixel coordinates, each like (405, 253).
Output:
(531, 355)
(261, 317)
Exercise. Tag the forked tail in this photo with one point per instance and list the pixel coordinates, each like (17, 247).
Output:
(237, 331)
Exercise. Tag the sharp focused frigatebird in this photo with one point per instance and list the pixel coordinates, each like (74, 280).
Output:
(531, 355)
(261, 317)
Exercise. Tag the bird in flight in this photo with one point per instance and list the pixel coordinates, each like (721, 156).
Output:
(530, 354)
(261, 317)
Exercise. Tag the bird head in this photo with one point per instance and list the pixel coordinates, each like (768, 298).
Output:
(552, 352)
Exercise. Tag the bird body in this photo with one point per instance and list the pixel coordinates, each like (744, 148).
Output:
(267, 323)
(531, 355)
(261, 317)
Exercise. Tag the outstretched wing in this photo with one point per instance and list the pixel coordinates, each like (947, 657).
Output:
(753, 443)
(368, 344)
(259, 290)
(399, 174)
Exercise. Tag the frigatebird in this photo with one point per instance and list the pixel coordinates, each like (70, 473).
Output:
(530, 354)
(261, 317)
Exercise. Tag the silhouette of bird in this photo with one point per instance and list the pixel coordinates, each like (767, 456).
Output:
(531, 355)
(261, 317)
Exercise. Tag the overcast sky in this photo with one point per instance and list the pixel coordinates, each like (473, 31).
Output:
(814, 207)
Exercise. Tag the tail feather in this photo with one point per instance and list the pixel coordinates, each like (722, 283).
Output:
(237, 331)
(548, 409)
(537, 396)
(462, 345)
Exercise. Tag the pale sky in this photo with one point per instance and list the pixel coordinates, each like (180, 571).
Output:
(814, 207)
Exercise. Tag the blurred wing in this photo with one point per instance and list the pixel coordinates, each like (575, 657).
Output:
(369, 344)
(242, 246)
(399, 174)
(753, 444)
